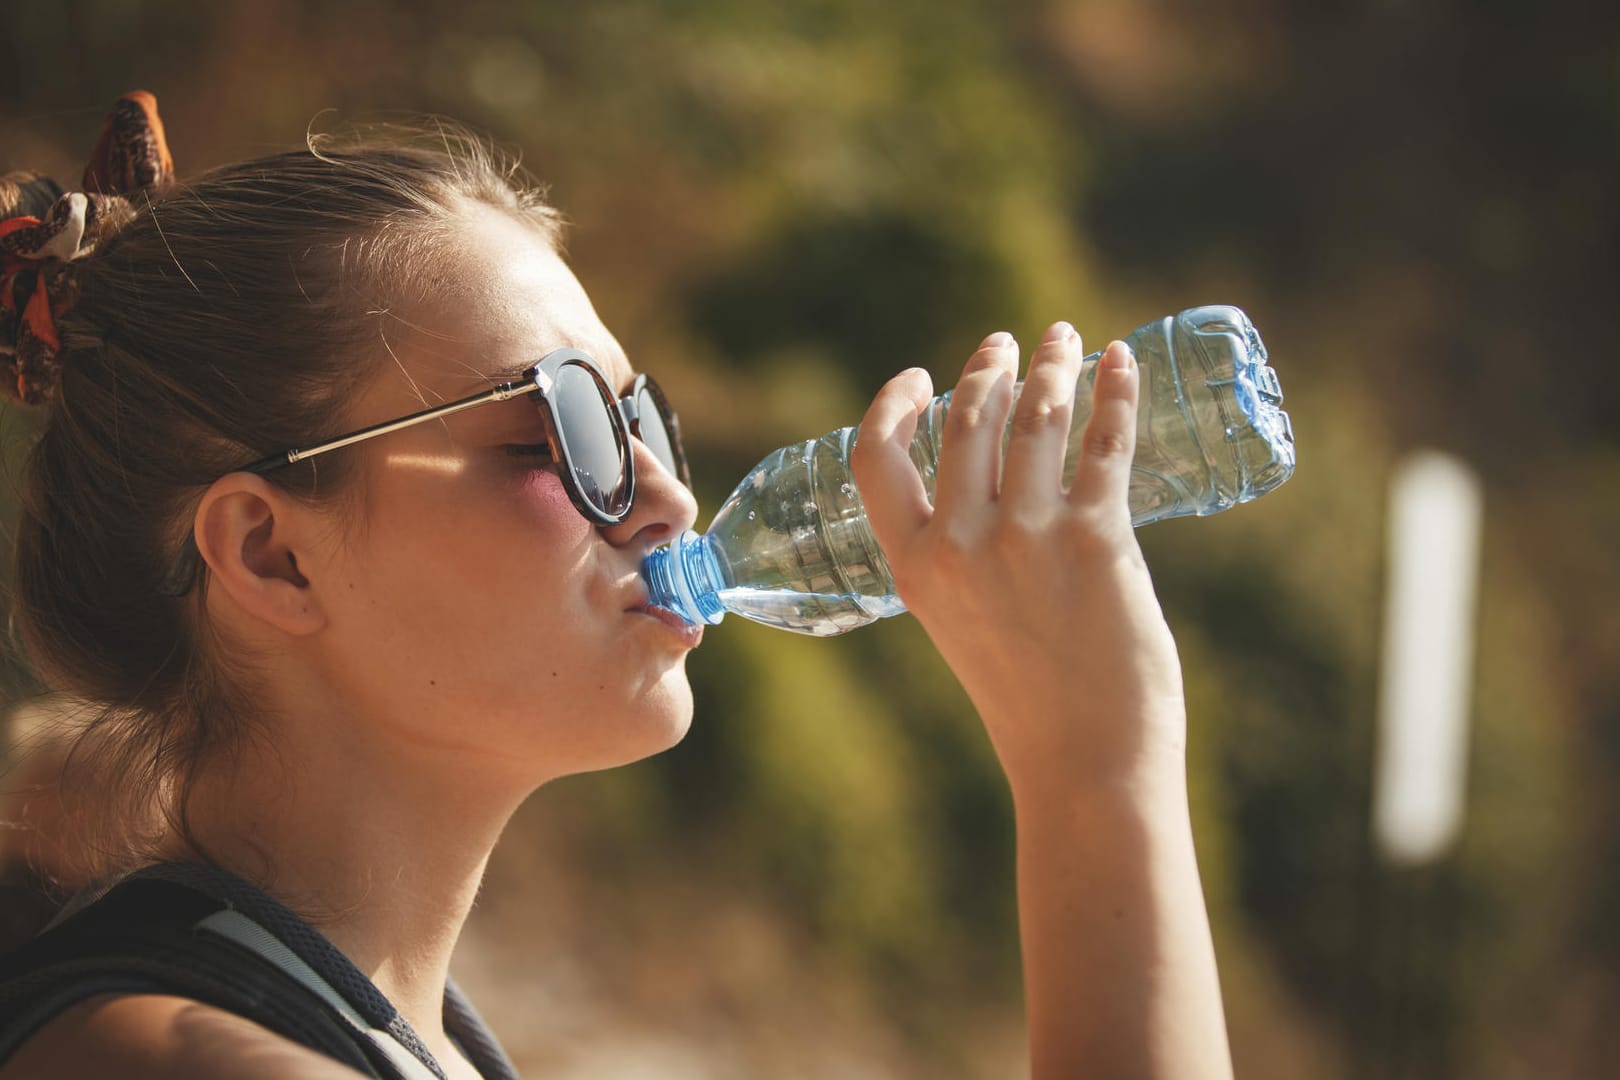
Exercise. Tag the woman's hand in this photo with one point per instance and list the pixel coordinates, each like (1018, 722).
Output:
(1037, 598)
(1040, 602)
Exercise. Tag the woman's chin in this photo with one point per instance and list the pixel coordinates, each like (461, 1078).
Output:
(655, 725)
(672, 719)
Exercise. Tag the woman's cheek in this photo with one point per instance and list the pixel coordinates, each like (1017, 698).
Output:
(546, 498)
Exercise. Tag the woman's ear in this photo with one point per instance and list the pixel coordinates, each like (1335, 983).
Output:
(250, 534)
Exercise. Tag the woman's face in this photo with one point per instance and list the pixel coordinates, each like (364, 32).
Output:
(472, 610)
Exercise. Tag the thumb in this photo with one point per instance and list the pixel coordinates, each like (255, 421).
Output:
(892, 491)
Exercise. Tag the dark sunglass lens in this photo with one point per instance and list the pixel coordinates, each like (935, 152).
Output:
(589, 434)
(655, 433)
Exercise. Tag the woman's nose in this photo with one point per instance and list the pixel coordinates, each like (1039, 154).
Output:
(663, 508)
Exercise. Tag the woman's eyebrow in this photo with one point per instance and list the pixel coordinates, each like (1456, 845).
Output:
(511, 374)
(521, 371)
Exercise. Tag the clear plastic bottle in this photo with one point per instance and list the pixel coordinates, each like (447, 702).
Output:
(791, 547)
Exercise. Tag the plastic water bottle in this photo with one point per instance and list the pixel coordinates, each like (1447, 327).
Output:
(791, 547)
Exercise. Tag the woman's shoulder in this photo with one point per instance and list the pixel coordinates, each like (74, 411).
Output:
(140, 1036)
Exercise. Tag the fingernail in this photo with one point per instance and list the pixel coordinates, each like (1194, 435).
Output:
(998, 340)
(1119, 359)
(1058, 331)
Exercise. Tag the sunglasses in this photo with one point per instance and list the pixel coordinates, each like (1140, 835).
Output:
(588, 432)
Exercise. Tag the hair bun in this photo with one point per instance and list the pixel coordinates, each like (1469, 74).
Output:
(43, 230)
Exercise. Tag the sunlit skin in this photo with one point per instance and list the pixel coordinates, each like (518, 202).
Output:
(465, 636)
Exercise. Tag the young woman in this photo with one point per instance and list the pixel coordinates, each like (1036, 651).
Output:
(339, 672)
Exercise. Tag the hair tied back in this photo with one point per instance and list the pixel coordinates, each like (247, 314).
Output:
(44, 229)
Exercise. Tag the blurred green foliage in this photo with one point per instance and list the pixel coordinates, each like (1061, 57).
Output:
(778, 205)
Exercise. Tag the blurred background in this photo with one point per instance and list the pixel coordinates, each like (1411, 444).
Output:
(776, 206)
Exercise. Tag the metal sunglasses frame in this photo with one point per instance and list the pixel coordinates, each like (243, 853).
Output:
(624, 413)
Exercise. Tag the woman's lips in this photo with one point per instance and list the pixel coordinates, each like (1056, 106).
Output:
(689, 633)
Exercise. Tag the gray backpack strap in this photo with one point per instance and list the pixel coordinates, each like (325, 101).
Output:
(235, 926)
(203, 933)
(142, 938)
(305, 942)
(472, 1035)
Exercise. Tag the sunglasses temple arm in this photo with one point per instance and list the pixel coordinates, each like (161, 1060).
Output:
(502, 392)
(183, 571)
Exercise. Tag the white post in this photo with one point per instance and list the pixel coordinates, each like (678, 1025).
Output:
(1421, 767)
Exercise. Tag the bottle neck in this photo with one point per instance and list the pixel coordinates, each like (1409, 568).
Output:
(683, 578)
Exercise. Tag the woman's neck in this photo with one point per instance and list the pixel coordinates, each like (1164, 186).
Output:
(382, 851)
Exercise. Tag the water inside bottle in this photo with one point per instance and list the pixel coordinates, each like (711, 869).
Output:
(817, 614)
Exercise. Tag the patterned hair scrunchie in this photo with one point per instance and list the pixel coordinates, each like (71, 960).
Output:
(43, 229)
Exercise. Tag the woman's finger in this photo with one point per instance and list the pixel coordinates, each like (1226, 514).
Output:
(891, 488)
(1040, 423)
(1104, 472)
(970, 448)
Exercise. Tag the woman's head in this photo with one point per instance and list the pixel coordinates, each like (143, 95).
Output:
(264, 306)
(469, 603)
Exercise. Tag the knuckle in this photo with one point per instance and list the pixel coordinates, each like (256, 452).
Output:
(1107, 444)
(970, 414)
(1017, 535)
(987, 359)
(955, 549)
(1036, 417)
(1096, 533)
(983, 383)
(1048, 352)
